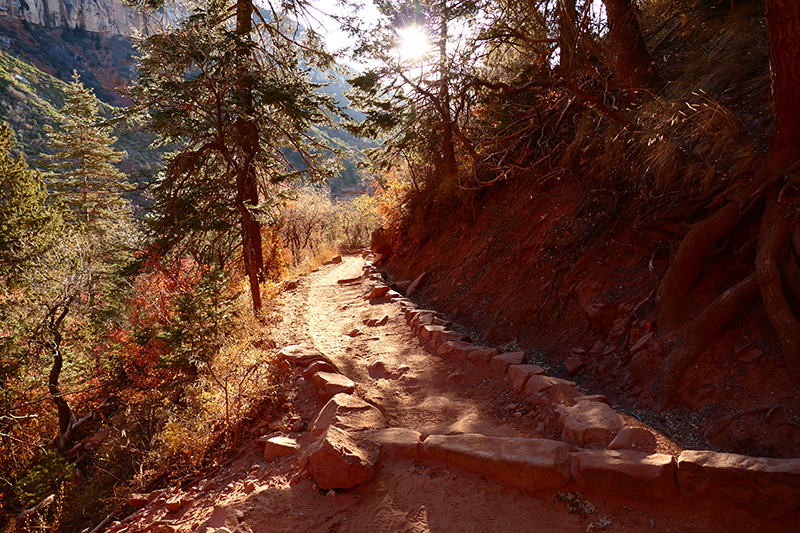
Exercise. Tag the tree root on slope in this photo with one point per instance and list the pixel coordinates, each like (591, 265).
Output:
(687, 266)
(775, 266)
(772, 245)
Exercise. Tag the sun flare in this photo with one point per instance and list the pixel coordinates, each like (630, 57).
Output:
(414, 43)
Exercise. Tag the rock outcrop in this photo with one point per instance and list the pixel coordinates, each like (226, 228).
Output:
(100, 16)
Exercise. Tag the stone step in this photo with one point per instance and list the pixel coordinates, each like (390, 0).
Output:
(537, 465)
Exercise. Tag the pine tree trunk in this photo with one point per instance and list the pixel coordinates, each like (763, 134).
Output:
(568, 35)
(247, 188)
(448, 148)
(783, 28)
(633, 61)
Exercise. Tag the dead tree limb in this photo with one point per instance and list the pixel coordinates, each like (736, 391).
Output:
(66, 419)
(24, 515)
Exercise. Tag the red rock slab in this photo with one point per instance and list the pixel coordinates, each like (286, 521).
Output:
(418, 314)
(537, 465)
(398, 442)
(349, 280)
(175, 503)
(330, 384)
(375, 322)
(441, 322)
(625, 474)
(300, 355)
(427, 331)
(425, 318)
(540, 383)
(318, 366)
(402, 286)
(279, 447)
(404, 304)
(379, 370)
(630, 438)
(442, 335)
(415, 284)
(573, 363)
(411, 313)
(641, 344)
(379, 291)
(770, 487)
(559, 390)
(338, 461)
(480, 355)
(500, 363)
(518, 375)
(138, 499)
(347, 412)
(589, 424)
(593, 398)
(454, 350)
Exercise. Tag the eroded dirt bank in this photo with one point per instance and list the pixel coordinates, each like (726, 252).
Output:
(413, 389)
(561, 276)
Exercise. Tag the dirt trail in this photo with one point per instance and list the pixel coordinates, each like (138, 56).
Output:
(413, 390)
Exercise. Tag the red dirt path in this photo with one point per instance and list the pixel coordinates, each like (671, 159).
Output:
(405, 496)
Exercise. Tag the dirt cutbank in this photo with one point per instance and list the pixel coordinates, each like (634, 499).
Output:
(559, 275)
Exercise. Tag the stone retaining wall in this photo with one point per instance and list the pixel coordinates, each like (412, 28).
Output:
(769, 487)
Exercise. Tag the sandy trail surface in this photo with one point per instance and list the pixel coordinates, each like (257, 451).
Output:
(417, 390)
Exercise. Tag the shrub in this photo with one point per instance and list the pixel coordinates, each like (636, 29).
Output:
(358, 219)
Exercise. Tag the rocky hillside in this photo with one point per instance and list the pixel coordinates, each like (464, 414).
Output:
(29, 99)
(35, 60)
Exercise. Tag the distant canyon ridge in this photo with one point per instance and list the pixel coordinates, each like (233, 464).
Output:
(101, 16)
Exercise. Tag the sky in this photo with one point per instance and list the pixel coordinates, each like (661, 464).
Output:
(336, 39)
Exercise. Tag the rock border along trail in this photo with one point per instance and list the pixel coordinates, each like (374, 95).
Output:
(401, 424)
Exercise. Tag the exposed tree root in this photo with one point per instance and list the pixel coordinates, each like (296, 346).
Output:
(772, 245)
(687, 265)
(790, 272)
(701, 333)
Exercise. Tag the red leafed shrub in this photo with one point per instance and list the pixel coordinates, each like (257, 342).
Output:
(177, 313)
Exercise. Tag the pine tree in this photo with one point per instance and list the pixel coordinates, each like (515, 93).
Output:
(83, 174)
(26, 221)
(234, 100)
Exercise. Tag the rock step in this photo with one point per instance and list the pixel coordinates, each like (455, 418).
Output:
(769, 487)
(537, 465)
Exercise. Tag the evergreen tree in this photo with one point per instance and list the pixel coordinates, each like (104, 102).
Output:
(26, 221)
(235, 99)
(82, 165)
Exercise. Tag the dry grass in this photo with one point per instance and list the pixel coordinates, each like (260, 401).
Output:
(711, 51)
(311, 261)
(690, 136)
(688, 144)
